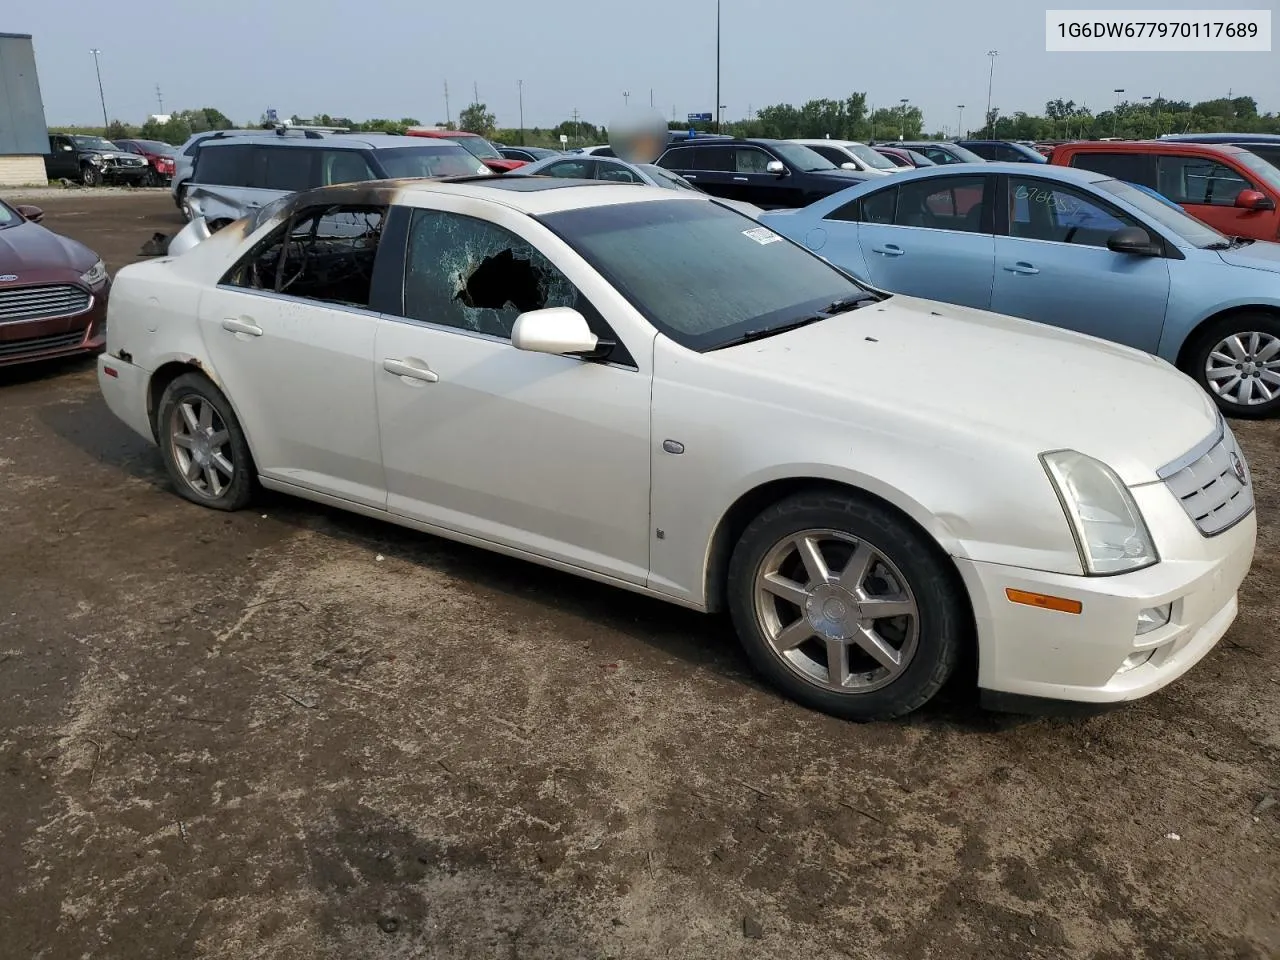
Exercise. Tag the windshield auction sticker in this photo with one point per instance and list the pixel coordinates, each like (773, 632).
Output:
(761, 235)
(1158, 31)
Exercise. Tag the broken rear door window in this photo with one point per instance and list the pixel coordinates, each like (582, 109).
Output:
(474, 275)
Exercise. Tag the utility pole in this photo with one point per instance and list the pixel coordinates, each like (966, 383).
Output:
(520, 90)
(159, 99)
(651, 98)
(991, 79)
(475, 92)
(717, 66)
(960, 121)
(101, 96)
(577, 127)
(448, 117)
(902, 125)
(626, 98)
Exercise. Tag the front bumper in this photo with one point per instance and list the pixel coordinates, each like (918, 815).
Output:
(1031, 652)
(130, 174)
(29, 341)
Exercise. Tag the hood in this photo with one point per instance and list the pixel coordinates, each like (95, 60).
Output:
(1259, 255)
(996, 377)
(36, 255)
(847, 177)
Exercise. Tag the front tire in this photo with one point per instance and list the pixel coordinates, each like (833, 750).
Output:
(845, 607)
(203, 446)
(1237, 361)
(90, 175)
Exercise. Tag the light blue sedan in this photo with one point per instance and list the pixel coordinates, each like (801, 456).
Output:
(1070, 248)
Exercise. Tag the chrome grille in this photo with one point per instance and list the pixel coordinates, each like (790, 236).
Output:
(1209, 488)
(42, 303)
(15, 348)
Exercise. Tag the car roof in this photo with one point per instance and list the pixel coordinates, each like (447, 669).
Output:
(1220, 138)
(1066, 174)
(350, 141)
(1146, 146)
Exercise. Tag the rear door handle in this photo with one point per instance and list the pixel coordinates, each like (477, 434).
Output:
(1021, 267)
(241, 326)
(411, 371)
(889, 250)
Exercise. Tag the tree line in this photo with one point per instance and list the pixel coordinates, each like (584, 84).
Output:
(847, 119)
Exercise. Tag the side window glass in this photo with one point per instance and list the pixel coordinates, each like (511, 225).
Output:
(677, 158)
(1199, 180)
(474, 275)
(953, 203)
(225, 166)
(1039, 210)
(615, 172)
(343, 166)
(878, 207)
(715, 159)
(750, 160)
(324, 254)
(573, 169)
(284, 168)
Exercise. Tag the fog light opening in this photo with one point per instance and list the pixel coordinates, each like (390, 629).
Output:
(1135, 660)
(1153, 618)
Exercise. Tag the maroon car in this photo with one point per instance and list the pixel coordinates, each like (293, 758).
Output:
(159, 157)
(53, 291)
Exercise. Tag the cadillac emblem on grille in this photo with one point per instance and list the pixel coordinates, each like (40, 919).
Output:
(1238, 466)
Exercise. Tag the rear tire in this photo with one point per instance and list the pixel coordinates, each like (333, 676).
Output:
(203, 445)
(1236, 359)
(182, 203)
(845, 606)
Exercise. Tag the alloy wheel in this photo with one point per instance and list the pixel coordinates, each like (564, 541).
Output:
(1244, 368)
(201, 447)
(836, 611)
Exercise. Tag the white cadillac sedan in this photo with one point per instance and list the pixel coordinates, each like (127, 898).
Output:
(654, 391)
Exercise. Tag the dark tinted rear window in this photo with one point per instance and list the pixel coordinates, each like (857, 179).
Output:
(282, 168)
(677, 158)
(1130, 167)
(226, 166)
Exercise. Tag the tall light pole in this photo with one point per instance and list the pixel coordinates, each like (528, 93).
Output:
(718, 107)
(991, 79)
(101, 96)
(902, 123)
(520, 93)
(1151, 109)
(1115, 117)
(960, 122)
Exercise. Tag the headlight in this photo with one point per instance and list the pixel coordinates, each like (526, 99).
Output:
(95, 159)
(1109, 530)
(95, 274)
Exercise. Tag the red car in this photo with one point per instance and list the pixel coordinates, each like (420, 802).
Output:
(473, 143)
(53, 291)
(1233, 190)
(159, 157)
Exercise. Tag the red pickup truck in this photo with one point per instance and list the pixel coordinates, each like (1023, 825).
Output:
(473, 143)
(1232, 190)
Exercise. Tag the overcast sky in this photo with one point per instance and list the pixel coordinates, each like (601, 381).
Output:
(391, 58)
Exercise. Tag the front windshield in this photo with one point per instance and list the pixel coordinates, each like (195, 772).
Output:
(962, 155)
(801, 157)
(479, 147)
(1172, 219)
(1262, 168)
(870, 157)
(430, 160)
(920, 160)
(702, 274)
(665, 178)
(94, 143)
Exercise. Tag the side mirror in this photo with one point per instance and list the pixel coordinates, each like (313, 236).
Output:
(776, 167)
(27, 212)
(1254, 200)
(67, 148)
(1133, 240)
(848, 166)
(562, 331)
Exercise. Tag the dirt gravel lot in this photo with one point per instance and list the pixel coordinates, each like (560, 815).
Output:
(293, 733)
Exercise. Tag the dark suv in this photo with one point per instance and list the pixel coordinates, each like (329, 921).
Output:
(771, 174)
(1007, 151)
(91, 160)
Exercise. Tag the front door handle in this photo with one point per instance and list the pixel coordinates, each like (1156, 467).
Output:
(889, 250)
(411, 371)
(1021, 267)
(690, 176)
(742, 179)
(241, 326)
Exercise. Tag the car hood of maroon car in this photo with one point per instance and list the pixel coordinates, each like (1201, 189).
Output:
(32, 254)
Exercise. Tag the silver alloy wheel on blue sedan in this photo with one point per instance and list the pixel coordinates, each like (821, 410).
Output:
(1244, 368)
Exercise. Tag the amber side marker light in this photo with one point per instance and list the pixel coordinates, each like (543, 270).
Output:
(1044, 601)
